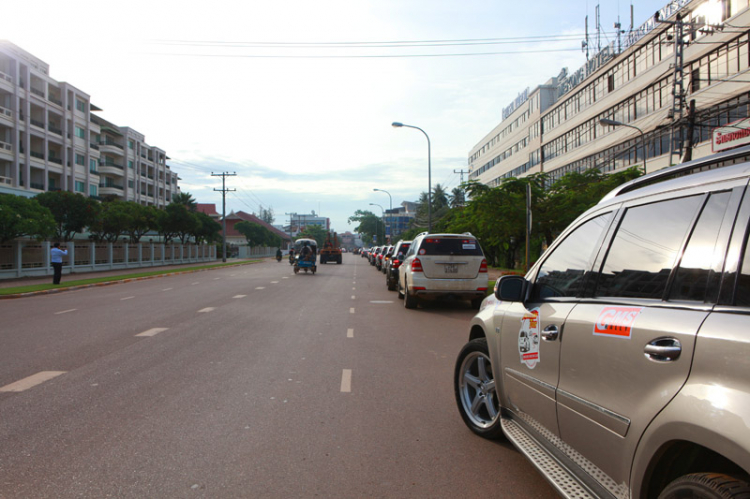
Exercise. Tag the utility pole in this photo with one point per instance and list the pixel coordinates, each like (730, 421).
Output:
(678, 87)
(461, 172)
(224, 191)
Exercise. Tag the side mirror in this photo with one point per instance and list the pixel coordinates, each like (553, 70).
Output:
(511, 288)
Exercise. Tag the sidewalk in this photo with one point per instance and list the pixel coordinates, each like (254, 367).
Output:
(29, 281)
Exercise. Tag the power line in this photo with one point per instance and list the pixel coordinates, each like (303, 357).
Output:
(224, 191)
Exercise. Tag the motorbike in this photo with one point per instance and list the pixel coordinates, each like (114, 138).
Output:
(278, 257)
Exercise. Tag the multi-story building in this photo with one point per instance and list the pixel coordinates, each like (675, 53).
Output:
(50, 140)
(399, 219)
(298, 222)
(556, 128)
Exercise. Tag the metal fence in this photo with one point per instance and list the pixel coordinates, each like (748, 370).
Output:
(32, 259)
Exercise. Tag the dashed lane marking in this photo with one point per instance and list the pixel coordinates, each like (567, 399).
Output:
(207, 309)
(350, 333)
(217, 278)
(167, 289)
(239, 296)
(351, 310)
(381, 301)
(127, 298)
(274, 282)
(194, 283)
(346, 381)
(285, 278)
(31, 381)
(354, 297)
(153, 331)
(260, 287)
(66, 311)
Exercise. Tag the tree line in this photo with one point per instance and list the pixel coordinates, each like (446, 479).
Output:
(497, 215)
(60, 215)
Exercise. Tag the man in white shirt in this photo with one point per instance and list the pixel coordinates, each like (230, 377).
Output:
(57, 255)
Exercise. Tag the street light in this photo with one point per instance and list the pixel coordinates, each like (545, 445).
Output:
(382, 215)
(608, 122)
(390, 211)
(396, 124)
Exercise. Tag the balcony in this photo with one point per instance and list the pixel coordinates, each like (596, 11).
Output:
(38, 155)
(53, 159)
(52, 128)
(6, 180)
(109, 185)
(55, 100)
(94, 146)
(4, 146)
(6, 113)
(38, 123)
(37, 186)
(40, 93)
(6, 77)
(109, 162)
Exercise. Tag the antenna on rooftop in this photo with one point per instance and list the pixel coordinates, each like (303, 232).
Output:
(585, 43)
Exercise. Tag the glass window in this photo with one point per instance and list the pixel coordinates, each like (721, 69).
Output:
(80, 159)
(130, 164)
(563, 271)
(81, 106)
(80, 186)
(93, 190)
(645, 247)
(450, 246)
(80, 132)
(131, 144)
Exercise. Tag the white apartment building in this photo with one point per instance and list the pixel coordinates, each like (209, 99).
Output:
(50, 140)
(556, 127)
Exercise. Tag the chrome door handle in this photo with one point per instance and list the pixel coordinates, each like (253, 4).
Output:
(550, 333)
(663, 350)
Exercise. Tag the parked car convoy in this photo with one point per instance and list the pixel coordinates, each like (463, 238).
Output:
(391, 271)
(620, 364)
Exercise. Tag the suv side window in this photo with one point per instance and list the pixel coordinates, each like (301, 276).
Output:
(691, 278)
(645, 248)
(563, 272)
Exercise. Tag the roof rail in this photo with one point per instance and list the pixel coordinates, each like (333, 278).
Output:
(422, 233)
(676, 170)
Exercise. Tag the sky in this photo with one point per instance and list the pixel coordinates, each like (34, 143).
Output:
(297, 97)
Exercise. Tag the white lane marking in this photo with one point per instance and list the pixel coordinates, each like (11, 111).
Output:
(354, 289)
(217, 278)
(239, 296)
(353, 297)
(167, 289)
(274, 282)
(153, 331)
(351, 310)
(381, 301)
(350, 333)
(285, 278)
(127, 298)
(66, 311)
(346, 381)
(207, 309)
(31, 381)
(260, 287)
(194, 283)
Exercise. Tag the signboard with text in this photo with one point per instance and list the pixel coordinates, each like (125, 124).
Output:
(730, 136)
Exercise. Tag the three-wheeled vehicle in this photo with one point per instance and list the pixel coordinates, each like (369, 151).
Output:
(306, 252)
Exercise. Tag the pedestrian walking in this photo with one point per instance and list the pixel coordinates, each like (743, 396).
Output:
(57, 255)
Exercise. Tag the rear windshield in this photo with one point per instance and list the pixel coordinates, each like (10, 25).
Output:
(404, 248)
(450, 246)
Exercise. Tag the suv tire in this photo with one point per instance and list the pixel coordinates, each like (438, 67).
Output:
(476, 391)
(706, 486)
(409, 300)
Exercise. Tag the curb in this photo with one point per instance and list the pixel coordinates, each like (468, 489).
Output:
(109, 283)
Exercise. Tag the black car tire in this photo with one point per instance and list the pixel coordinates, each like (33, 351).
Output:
(476, 303)
(409, 300)
(476, 391)
(706, 486)
(390, 283)
(400, 293)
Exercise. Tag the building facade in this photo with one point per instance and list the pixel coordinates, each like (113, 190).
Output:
(50, 140)
(557, 129)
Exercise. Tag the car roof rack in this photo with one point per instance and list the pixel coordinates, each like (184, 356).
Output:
(694, 166)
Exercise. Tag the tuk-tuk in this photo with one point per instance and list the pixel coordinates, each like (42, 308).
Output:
(306, 253)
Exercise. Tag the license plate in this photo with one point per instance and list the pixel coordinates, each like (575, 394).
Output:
(451, 268)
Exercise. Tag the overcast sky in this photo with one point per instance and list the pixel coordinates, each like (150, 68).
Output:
(298, 97)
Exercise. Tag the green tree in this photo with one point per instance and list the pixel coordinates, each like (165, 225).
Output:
(175, 221)
(24, 217)
(257, 235)
(314, 232)
(185, 199)
(72, 212)
(207, 229)
(266, 215)
(112, 222)
(458, 198)
(141, 219)
(369, 225)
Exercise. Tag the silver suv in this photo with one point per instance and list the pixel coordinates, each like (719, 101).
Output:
(620, 364)
(443, 265)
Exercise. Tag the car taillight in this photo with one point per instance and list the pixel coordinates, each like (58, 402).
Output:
(416, 265)
(395, 264)
(483, 266)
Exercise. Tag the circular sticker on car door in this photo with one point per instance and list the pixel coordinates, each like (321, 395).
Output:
(528, 339)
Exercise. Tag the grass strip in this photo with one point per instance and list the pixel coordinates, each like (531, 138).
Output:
(96, 280)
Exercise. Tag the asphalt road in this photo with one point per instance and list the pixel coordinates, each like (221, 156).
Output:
(242, 382)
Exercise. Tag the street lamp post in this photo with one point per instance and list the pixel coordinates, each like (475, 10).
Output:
(382, 216)
(390, 213)
(396, 124)
(608, 122)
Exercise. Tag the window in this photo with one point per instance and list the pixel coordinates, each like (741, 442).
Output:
(691, 278)
(93, 190)
(611, 83)
(81, 105)
(80, 132)
(80, 186)
(130, 184)
(562, 274)
(131, 144)
(450, 246)
(130, 164)
(92, 166)
(80, 159)
(645, 248)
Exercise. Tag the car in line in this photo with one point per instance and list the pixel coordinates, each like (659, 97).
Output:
(620, 363)
(391, 269)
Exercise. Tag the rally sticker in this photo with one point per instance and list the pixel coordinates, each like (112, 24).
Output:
(422, 251)
(616, 321)
(528, 339)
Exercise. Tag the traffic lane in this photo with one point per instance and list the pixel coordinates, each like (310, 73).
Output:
(67, 330)
(403, 385)
(198, 407)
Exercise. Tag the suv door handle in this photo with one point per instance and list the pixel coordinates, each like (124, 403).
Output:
(663, 349)
(550, 333)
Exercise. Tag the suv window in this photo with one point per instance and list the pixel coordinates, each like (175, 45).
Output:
(645, 247)
(562, 273)
(450, 246)
(691, 278)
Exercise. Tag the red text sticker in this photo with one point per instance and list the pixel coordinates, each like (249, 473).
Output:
(616, 321)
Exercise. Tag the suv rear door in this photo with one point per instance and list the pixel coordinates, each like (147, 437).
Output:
(450, 257)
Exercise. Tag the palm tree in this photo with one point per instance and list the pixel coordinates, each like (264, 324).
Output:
(439, 198)
(458, 197)
(186, 199)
